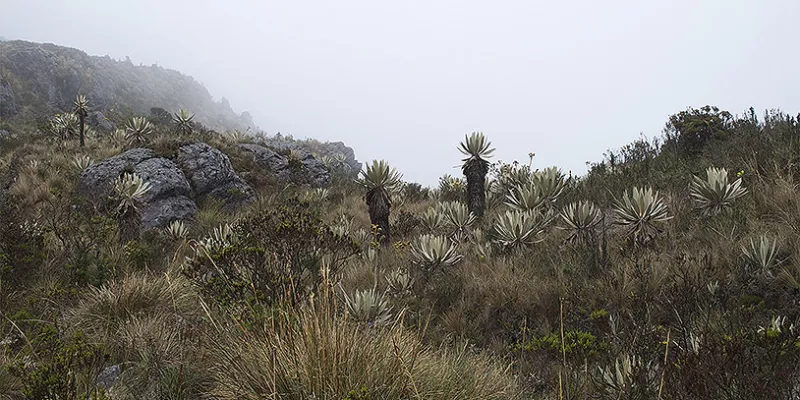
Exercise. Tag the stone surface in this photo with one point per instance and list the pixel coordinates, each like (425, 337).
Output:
(211, 174)
(309, 170)
(109, 375)
(98, 120)
(168, 198)
(349, 155)
(159, 213)
(96, 181)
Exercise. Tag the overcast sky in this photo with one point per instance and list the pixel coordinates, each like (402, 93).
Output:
(405, 80)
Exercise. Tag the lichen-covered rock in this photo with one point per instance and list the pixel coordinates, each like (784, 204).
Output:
(95, 182)
(334, 148)
(201, 171)
(168, 198)
(106, 378)
(313, 171)
(326, 149)
(98, 120)
(211, 174)
(306, 170)
(161, 212)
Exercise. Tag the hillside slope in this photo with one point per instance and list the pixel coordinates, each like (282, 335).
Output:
(38, 80)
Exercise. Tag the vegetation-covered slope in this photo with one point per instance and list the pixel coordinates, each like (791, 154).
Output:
(38, 80)
(669, 271)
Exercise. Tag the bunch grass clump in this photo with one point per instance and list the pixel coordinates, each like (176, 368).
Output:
(316, 354)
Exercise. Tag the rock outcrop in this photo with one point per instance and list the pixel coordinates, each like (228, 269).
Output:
(51, 76)
(98, 120)
(348, 153)
(201, 171)
(306, 170)
(211, 175)
(336, 150)
(168, 198)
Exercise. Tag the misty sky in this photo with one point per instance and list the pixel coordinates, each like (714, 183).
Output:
(405, 80)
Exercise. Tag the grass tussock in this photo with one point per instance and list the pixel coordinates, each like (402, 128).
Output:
(315, 354)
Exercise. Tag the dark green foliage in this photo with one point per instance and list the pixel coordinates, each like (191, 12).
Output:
(358, 394)
(414, 192)
(577, 344)
(405, 223)
(138, 254)
(64, 367)
(21, 248)
(85, 239)
(689, 131)
(277, 255)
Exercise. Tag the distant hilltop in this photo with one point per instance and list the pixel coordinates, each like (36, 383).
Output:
(38, 80)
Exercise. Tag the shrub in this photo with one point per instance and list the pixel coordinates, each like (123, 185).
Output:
(405, 223)
(66, 367)
(452, 189)
(276, 254)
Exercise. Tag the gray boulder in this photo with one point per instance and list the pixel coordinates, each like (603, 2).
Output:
(307, 170)
(168, 198)
(350, 156)
(211, 174)
(106, 378)
(201, 171)
(159, 213)
(313, 171)
(165, 178)
(98, 120)
(4, 134)
(95, 181)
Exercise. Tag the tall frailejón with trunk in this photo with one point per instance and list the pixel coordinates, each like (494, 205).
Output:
(82, 111)
(378, 178)
(475, 168)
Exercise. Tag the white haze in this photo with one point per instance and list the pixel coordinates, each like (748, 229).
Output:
(405, 80)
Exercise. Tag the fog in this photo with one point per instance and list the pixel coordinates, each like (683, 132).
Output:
(405, 80)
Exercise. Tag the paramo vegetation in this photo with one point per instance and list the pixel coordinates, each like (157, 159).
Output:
(669, 271)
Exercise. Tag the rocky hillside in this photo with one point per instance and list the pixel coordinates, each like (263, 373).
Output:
(39, 80)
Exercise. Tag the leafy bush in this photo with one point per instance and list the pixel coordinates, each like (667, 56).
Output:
(275, 255)
(66, 368)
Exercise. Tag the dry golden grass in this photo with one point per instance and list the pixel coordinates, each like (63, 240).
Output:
(314, 353)
(103, 311)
